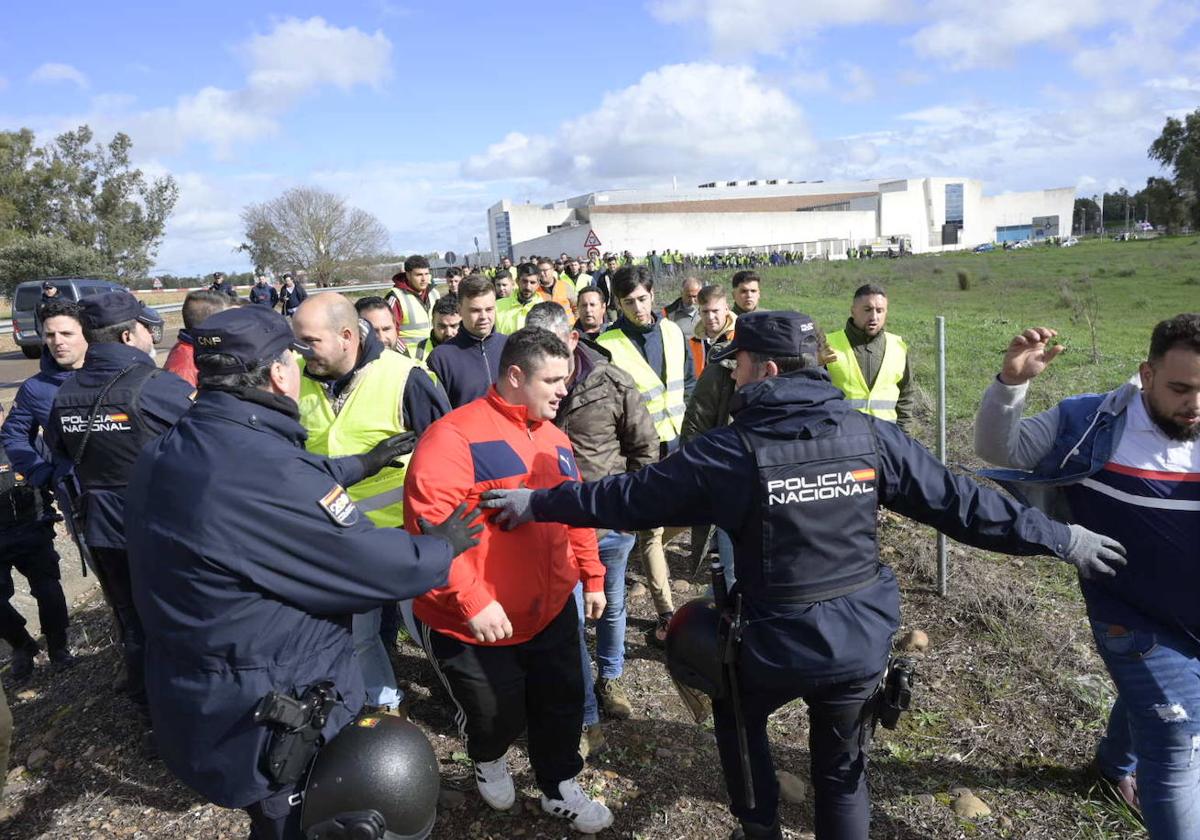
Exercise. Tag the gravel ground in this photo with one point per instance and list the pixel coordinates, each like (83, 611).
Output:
(1010, 702)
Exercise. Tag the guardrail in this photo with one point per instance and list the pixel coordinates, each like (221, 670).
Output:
(167, 308)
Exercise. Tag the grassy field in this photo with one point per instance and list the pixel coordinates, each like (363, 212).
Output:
(1134, 285)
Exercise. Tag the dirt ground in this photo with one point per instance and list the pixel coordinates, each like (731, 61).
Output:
(1010, 702)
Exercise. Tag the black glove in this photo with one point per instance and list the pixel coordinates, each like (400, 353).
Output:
(387, 451)
(461, 529)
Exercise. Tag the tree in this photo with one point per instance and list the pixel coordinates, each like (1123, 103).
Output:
(1178, 149)
(34, 257)
(1087, 211)
(307, 228)
(1164, 203)
(88, 194)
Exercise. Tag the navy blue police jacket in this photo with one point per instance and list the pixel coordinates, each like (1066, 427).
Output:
(713, 479)
(246, 571)
(162, 401)
(21, 434)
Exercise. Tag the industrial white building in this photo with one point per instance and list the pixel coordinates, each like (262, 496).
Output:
(821, 219)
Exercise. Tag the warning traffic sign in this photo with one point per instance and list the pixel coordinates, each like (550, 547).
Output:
(592, 240)
(593, 253)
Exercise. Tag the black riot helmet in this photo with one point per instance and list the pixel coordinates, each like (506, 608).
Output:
(376, 780)
(694, 647)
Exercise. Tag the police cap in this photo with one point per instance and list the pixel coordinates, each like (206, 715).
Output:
(249, 334)
(116, 307)
(777, 333)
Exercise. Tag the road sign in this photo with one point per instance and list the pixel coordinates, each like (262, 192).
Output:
(592, 240)
(450, 257)
(593, 253)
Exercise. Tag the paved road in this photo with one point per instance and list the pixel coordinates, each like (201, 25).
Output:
(14, 369)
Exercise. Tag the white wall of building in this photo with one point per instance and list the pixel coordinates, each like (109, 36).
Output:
(913, 209)
(698, 233)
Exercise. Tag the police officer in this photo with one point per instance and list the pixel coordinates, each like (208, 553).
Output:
(102, 417)
(27, 545)
(252, 565)
(795, 480)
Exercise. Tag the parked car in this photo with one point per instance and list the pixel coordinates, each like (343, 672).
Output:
(1068, 243)
(26, 328)
(1024, 243)
(984, 248)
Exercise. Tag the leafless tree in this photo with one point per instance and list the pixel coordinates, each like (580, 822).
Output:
(307, 228)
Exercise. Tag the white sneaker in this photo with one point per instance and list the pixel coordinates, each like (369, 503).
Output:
(587, 816)
(495, 783)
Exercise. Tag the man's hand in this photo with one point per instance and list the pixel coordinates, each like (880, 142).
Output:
(490, 624)
(387, 451)
(594, 604)
(513, 507)
(1094, 554)
(461, 529)
(1028, 355)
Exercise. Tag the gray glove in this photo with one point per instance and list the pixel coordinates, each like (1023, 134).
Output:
(461, 529)
(513, 507)
(1094, 554)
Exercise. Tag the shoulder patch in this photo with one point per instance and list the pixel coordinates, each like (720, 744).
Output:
(338, 505)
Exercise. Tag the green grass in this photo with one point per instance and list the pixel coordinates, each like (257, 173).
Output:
(1136, 284)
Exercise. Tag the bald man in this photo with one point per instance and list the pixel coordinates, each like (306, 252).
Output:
(685, 309)
(354, 393)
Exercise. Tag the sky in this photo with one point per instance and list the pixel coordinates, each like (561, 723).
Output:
(425, 113)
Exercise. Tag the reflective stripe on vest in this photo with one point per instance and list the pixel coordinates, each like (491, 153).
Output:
(416, 316)
(371, 414)
(510, 316)
(663, 401)
(880, 400)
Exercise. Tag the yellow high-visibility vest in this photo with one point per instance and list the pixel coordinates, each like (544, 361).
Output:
(880, 400)
(420, 351)
(417, 317)
(510, 313)
(370, 415)
(664, 402)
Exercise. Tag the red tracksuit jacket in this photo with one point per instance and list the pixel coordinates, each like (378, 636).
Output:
(531, 570)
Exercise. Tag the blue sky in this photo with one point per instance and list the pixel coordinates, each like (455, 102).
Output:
(426, 113)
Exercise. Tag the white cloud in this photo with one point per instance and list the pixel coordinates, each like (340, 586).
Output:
(293, 60)
(299, 56)
(682, 119)
(857, 83)
(52, 72)
(742, 26)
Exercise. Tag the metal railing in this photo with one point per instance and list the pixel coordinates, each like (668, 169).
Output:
(167, 308)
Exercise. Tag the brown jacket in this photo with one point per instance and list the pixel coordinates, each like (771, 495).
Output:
(605, 418)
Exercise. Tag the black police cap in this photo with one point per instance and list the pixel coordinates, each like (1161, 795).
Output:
(248, 334)
(116, 307)
(778, 333)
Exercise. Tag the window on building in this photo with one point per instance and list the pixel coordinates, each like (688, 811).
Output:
(954, 204)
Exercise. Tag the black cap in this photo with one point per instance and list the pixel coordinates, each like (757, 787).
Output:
(116, 308)
(777, 333)
(47, 285)
(250, 334)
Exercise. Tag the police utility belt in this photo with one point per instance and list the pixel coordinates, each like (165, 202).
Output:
(295, 724)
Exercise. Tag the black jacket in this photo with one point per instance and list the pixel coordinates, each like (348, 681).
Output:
(713, 479)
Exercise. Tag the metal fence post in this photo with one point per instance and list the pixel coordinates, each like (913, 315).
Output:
(940, 329)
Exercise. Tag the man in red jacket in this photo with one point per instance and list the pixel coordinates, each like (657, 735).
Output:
(503, 635)
(197, 306)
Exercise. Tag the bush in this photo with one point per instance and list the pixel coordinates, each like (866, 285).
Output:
(964, 279)
(47, 256)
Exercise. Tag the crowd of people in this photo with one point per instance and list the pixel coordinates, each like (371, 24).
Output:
(479, 462)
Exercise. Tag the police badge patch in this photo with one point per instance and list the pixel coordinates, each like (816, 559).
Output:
(339, 506)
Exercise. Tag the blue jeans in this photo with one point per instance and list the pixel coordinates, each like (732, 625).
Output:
(373, 660)
(1157, 675)
(610, 629)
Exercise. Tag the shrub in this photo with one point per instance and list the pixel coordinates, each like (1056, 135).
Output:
(964, 280)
